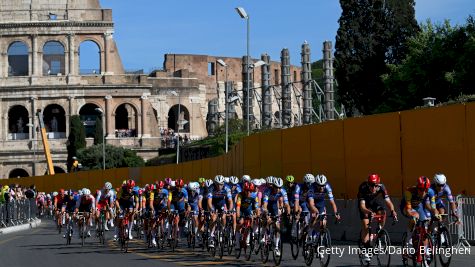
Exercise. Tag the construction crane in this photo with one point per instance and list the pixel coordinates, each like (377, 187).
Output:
(44, 139)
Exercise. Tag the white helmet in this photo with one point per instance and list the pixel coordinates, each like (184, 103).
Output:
(172, 184)
(278, 182)
(270, 179)
(256, 182)
(80, 192)
(309, 178)
(209, 183)
(55, 193)
(219, 179)
(233, 180)
(108, 185)
(226, 180)
(321, 179)
(48, 196)
(263, 181)
(194, 186)
(246, 178)
(440, 179)
(86, 191)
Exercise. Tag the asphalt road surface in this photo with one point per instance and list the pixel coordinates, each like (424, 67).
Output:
(45, 247)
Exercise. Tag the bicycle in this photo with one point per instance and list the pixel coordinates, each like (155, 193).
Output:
(69, 229)
(82, 226)
(149, 228)
(379, 242)
(100, 227)
(296, 241)
(317, 241)
(205, 233)
(421, 240)
(173, 240)
(247, 239)
(443, 239)
(269, 236)
(160, 235)
(190, 235)
(123, 225)
(218, 236)
(138, 225)
(229, 235)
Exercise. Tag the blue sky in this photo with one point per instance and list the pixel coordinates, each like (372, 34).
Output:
(147, 29)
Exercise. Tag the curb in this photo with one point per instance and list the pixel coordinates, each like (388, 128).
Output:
(33, 224)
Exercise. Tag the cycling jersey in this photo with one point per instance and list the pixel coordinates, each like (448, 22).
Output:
(193, 199)
(58, 201)
(318, 195)
(247, 204)
(302, 195)
(103, 198)
(219, 197)
(442, 194)
(70, 203)
(414, 202)
(365, 193)
(161, 197)
(294, 193)
(86, 203)
(272, 199)
(235, 191)
(127, 200)
(148, 195)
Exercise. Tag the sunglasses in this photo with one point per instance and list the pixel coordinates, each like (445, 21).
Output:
(373, 185)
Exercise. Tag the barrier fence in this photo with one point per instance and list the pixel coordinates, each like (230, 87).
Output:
(17, 212)
(465, 230)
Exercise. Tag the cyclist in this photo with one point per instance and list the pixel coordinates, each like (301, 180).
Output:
(70, 206)
(371, 194)
(179, 199)
(301, 199)
(58, 206)
(104, 201)
(218, 195)
(203, 203)
(442, 191)
(316, 198)
(247, 203)
(235, 189)
(161, 203)
(418, 203)
(86, 204)
(127, 201)
(274, 200)
(194, 198)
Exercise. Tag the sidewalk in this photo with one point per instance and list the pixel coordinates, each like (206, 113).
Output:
(12, 229)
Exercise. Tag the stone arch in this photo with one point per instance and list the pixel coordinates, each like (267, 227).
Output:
(18, 119)
(18, 59)
(88, 116)
(184, 116)
(54, 118)
(126, 120)
(54, 59)
(88, 62)
(18, 173)
(56, 170)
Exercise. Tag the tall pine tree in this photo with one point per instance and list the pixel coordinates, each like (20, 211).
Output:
(372, 34)
(76, 138)
(98, 132)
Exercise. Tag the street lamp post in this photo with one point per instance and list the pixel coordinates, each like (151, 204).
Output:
(178, 128)
(101, 112)
(242, 13)
(32, 126)
(226, 105)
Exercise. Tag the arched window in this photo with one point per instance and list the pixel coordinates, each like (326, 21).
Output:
(54, 118)
(18, 120)
(18, 59)
(89, 116)
(56, 170)
(53, 58)
(18, 173)
(126, 121)
(184, 119)
(89, 58)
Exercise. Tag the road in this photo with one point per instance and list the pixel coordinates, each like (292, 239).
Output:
(45, 247)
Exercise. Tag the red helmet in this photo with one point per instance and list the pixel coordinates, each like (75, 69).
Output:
(61, 191)
(423, 183)
(130, 183)
(152, 187)
(161, 185)
(374, 179)
(249, 187)
(179, 183)
(147, 187)
(168, 180)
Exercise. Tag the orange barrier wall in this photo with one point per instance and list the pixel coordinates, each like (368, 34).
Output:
(398, 146)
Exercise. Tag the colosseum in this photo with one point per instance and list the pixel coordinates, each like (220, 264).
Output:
(40, 45)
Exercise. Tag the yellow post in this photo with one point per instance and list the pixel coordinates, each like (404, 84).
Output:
(44, 139)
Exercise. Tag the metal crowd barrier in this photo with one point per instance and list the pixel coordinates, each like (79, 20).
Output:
(17, 212)
(465, 230)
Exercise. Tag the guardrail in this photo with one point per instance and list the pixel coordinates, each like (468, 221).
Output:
(465, 230)
(17, 212)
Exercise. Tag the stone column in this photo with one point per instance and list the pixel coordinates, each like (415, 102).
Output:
(143, 104)
(109, 117)
(33, 119)
(107, 36)
(4, 62)
(69, 113)
(36, 70)
(72, 55)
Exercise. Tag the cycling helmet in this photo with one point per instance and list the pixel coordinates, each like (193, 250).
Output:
(219, 179)
(226, 180)
(248, 187)
(278, 182)
(290, 179)
(140, 191)
(263, 181)
(48, 196)
(321, 180)
(124, 182)
(168, 181)
(423, 183)
(269, 179)
(374, 179)
(194, 186)
(234, 180)
(147, 187)
(309, 178)
(172, 184)
(440, 179)
(130, 183)
(209, 182)
(54, 193)
(179, 183)
(161, 184)
(152, 187)
(256, 182)
(108, 185)
(201, 180)
(246, 178)
(86, 192)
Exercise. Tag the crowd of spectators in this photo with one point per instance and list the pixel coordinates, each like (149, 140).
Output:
(125, 133)
(170, 138)
(17, 204)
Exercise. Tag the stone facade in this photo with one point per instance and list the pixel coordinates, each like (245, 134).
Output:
(39, 70)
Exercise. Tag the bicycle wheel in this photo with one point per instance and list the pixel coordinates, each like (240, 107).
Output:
(258, 237)
(174, 241)
(265, 247)
(360, 255)
(307, 249)
(405, 249)
(230, 239)
(160, 236)
(83, 233)
(381, 246)
(220, 243)
(429, 256)
(249, 245)
(278, 258)
(294, 240)
(193, 234)
(324, 241)
(126, 238)
(444, 242)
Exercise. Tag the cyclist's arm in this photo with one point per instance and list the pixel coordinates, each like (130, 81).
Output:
(311, 206)
(150, 201)
(238, 205)
(363, 207)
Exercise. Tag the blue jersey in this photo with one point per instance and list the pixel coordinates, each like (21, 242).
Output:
(319, 195)
(193, 197)
(179, 195)
(294, 193)
(303, 193)
(443, 193)
(219, 196)
(160, 198)
(236, 191)
(272, 198)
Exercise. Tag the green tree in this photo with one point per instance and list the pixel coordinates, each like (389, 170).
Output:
(98, 133)
(372, 33)
(91, 158)
(76, 138)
